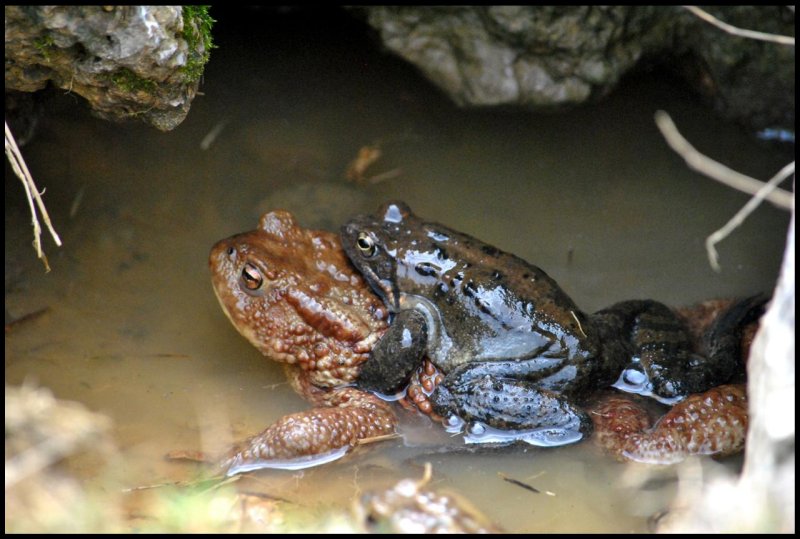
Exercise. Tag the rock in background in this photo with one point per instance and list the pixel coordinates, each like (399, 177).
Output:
(126, 61)
(145, 62)
(549, 57)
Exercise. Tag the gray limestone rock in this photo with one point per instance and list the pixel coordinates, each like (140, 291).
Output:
(546, 57)
(543, 57)
(126, 61)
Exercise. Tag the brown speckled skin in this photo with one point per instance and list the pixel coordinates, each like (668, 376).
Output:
(314, 313)
(710, 423)
(410, 507)
(341, 417)
(313, 309)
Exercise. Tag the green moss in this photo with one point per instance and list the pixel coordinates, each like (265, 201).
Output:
(44, 44)
(197, 25)
(131, 82)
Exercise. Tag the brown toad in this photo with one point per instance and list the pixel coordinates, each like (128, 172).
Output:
(292, 293)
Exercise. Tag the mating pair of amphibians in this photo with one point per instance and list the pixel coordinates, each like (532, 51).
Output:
(517, 356)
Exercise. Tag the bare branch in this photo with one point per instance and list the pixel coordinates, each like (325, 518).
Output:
(742, 214)
(737, 180)
(713, 169)
(31, 192)
(741, 32)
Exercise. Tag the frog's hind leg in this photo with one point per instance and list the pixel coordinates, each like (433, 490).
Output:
(722, 342)
(662, 362)
(710, 423)
(657, 347)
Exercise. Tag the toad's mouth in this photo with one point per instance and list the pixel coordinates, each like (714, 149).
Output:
(243, 329)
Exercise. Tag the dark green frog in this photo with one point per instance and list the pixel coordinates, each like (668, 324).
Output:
(517, 353)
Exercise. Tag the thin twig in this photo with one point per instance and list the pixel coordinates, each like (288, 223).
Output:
(26, 318)
(737, 180)
(578, 321)
(426, 474)
(212, 135)
(713, 169)
(742, 214)
(32, 192)
(519, 483)
(741, 32)
(37, 229)
(379, 438)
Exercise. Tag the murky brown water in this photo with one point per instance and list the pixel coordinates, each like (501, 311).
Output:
(594, 196)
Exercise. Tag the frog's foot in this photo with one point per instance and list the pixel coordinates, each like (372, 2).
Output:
(661, 384)
(396, 355)
(655, 343)
(311, 438)
(506, 410)
(663, 363)
(722, 360)
(710, 423)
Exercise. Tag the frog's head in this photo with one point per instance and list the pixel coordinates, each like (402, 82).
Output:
(370, 242)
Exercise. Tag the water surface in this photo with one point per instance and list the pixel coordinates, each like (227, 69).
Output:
(593, 196)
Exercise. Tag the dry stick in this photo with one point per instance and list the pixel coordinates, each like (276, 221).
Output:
(22, 172)
(742, 214)
(378, 438)
(519, 483)
(766, 190)
(741, 32)
(737, 180)
(37, 230)
(713, 169)
(26, 318)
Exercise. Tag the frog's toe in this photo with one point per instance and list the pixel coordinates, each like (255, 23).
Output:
(575, 431)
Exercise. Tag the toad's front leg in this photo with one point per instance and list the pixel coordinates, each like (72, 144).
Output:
(315, 436)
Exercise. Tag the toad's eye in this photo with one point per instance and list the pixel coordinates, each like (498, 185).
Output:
(366, 245)
(251, 277)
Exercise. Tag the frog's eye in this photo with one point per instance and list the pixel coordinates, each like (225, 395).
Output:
(366, 245)
(251, 277)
